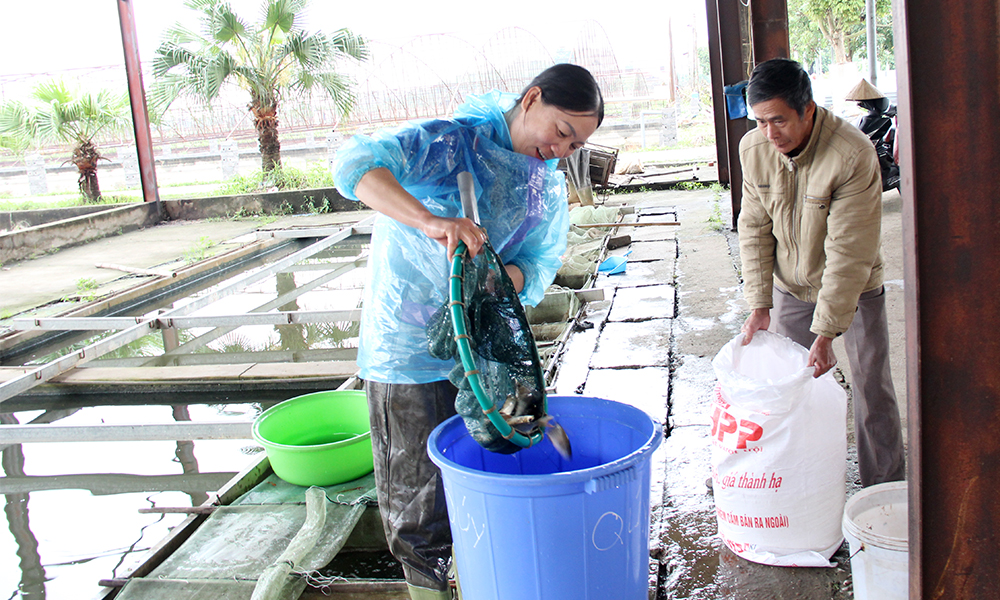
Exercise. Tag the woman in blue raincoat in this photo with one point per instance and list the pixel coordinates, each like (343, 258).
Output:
(511, 146)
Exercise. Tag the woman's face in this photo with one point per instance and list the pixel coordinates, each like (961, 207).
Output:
(545, 131)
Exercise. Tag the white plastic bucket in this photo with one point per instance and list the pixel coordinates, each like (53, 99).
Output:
(876, 526)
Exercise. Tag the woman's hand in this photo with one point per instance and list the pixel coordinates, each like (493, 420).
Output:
(516, 277)
(379, 190)
(448, 232)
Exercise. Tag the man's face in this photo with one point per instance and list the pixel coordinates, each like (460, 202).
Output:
(782, 126)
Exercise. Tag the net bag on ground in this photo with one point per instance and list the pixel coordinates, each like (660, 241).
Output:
(779, 453)
(507, 367)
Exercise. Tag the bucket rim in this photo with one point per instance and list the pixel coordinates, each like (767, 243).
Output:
(852, 529)
(577, 476)
(303, 448)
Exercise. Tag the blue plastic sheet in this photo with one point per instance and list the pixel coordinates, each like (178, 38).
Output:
(736, 102)
(613, 265)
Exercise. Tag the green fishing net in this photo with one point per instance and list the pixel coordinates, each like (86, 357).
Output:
(502, 396)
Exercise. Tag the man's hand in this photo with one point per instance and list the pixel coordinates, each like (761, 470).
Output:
(759, 319)
(821, 355)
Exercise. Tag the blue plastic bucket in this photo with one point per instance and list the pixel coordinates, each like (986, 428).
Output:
(532, 525)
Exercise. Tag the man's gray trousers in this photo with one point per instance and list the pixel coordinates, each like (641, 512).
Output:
(877, 426)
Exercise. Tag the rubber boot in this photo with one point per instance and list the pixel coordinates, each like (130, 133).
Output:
(453, 575)
(422, 593)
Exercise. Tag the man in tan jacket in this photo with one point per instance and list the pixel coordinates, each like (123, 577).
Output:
(809, 228)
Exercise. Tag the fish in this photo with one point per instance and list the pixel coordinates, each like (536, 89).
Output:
(523, 411)
(525, 401)
(557, 435)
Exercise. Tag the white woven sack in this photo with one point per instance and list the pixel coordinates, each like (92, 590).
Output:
(779, 453)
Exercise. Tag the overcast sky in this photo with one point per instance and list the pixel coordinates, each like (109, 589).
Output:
(48, 36)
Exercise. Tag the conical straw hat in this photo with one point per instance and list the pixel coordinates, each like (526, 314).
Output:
(864, 91)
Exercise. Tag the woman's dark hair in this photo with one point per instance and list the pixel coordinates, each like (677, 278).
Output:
(571, 88)
(780, 78)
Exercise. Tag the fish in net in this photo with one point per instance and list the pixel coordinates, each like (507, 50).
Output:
(502, 349)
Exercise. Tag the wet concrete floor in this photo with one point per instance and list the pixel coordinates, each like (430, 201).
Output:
(652, 343)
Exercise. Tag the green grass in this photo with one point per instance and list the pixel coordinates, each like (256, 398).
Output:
(715, 219)
(695, 135)
(13, 205)
(621, 191)
(200, 250)
(316, 175)
(86, 288)
(312, 208)
(86, 284)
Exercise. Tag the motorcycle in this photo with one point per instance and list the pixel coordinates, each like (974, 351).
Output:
(880, 127)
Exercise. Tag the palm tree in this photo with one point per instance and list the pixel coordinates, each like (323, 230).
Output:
(269, 59)
(14, 142)
(60, 114)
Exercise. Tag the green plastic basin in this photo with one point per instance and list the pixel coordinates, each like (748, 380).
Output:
(323, 438)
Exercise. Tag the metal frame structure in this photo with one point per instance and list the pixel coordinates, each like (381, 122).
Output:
(729, 65)
(272, 318)
(223, 430)
(176, 354)
(137, 328)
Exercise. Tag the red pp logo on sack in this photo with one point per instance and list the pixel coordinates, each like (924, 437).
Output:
(732, 430)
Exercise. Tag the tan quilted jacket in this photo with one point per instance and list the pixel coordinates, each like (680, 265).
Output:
(812, 224)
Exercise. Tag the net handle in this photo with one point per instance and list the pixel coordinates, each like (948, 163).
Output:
(457, 308)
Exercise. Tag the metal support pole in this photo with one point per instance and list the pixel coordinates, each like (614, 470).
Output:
(718, 99)
(137, 96)
(870, 39)
(948, 72)
(139, 432)
(184, 322)
(769, 27)
(672, 63)
(171, 337)
(733, 71)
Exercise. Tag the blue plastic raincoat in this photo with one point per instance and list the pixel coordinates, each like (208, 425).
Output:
(522, 206)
